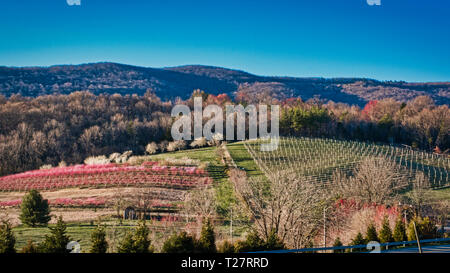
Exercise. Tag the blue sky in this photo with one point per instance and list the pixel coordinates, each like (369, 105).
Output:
(399, 40)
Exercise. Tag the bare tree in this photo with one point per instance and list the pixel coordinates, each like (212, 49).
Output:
(201, 203)
(376, 180)
(287, 204)
(419, 195)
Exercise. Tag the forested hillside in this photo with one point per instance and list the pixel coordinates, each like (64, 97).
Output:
(169, 83)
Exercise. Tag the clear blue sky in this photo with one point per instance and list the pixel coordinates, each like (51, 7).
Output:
(399, 40)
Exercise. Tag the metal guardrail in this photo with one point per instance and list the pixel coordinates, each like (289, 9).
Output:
(353, 247)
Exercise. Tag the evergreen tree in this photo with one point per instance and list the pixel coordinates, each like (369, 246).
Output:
(57, 241)
(7, 238)
(252, 243)
(399, 231)
(207, 241)
(338, 243)
(386, 232)
(371, 234)
(179, 243)
(126, 245)
(359, 240)
(137, 242)
(98, 240)
(142, 243)
(34, 210)
(273, 242)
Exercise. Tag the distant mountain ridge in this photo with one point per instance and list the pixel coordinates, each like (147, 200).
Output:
(172, 82)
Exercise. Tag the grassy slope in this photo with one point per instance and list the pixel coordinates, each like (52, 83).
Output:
(243, 159)
(216, 168)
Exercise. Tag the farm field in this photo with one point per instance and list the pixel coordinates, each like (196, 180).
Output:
(317, 159)
(85, 195)
(303, 156)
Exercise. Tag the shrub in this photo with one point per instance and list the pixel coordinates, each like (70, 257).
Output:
(273, 242)
(7, 238)
(30, 248)
(151, 148)
(57, 241)
(98, 240)
(97, 160)
(179, 243)
(226, 247)
(425, 229)
(163, 146)
(34, 210)
(176, 146)
(46, 167)
(199, 142)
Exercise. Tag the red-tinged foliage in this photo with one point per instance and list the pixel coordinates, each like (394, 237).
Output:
(346, 208)
(63, 202)
(367, 110)
(106, 175)
(220, 99)
(291, 102)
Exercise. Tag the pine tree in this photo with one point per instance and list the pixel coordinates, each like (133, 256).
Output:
(126, 245)
(137, 242)
(98, 240)
(338, 243)
(57, 241)
(34, 210)
(252, 243)
(207, 240)
(358, 240)
(399, 231)
(142, 243)
(179, 243)
(386, 232)
(273, 242)
(7, 238)
(371, 234)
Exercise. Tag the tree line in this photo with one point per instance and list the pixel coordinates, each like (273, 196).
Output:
(66, 129)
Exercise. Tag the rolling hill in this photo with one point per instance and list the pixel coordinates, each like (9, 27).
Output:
(169, 83)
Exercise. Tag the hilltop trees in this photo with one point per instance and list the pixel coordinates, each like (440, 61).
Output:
(47, 130)
(34, 209)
